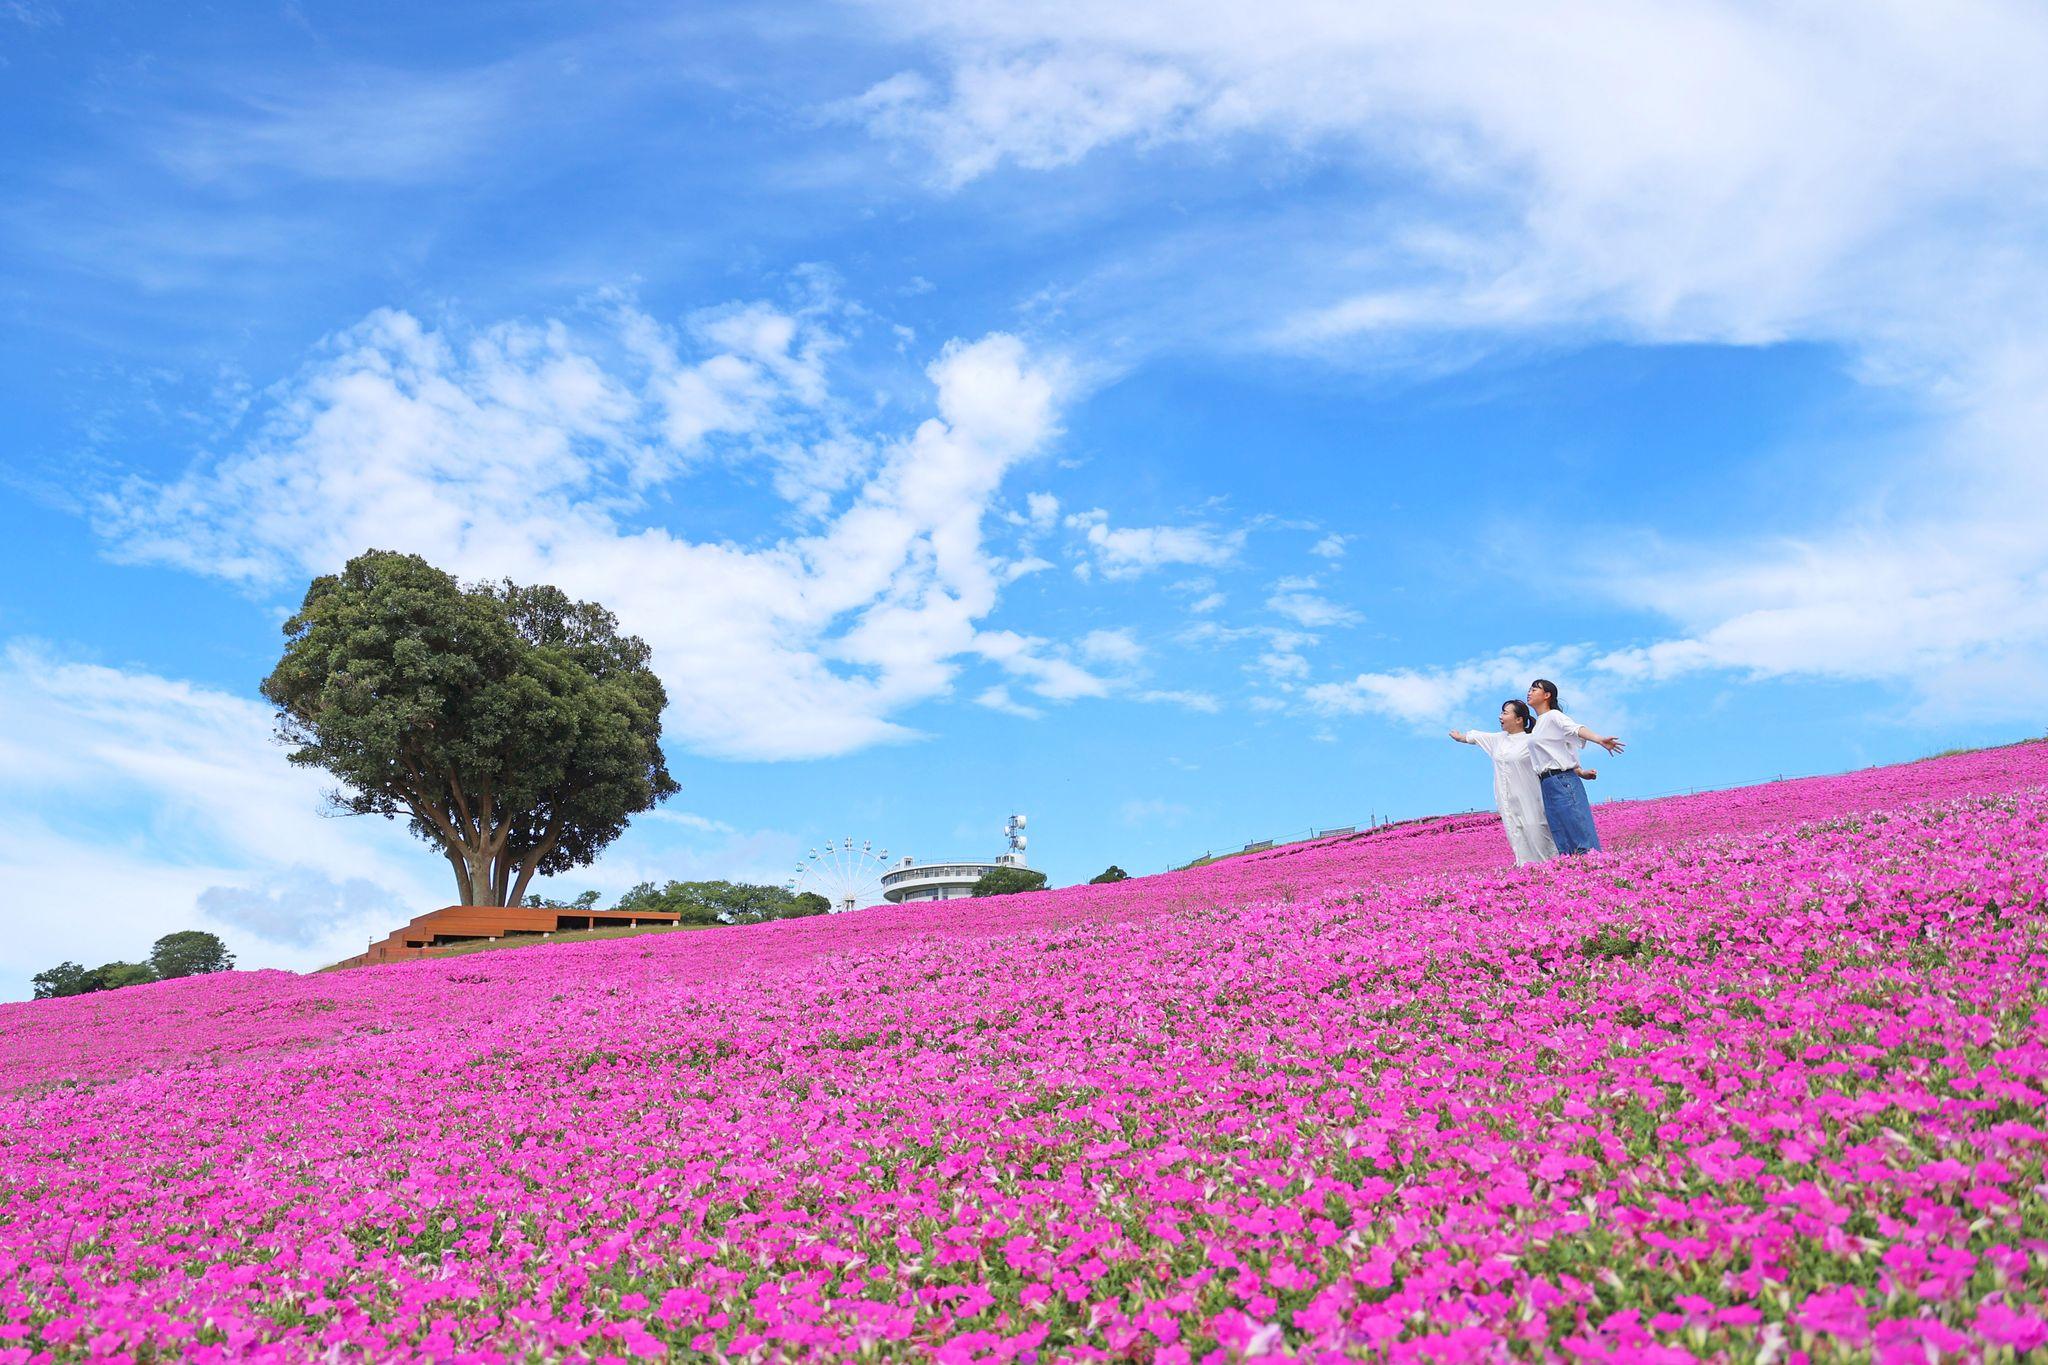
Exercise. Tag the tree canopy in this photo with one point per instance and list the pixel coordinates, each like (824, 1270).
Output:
(516, 729)
(585, 901)
(1008, 881)
(1112, 873)
(189, 952)
(722, 902)
(66, 978)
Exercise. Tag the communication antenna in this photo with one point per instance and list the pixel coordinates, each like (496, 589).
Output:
(1013, 831)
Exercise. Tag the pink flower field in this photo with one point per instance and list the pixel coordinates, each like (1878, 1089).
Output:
(1765, 1082)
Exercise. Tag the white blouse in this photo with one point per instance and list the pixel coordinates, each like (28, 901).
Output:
(1556, 741)
(1517, 794)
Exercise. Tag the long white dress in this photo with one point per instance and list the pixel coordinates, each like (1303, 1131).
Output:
(1519, 794)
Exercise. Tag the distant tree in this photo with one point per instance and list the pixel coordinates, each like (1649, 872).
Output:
(516, 729)
(586, 901)
(641, 896)
(695, 912)
(66, 978)
(189, 952)
(722, 902)
(112, 976)
(1008, 881)
(1112, 873)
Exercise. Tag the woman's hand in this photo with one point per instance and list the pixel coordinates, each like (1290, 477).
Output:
(1610, 744)
(1455, 735)
(1588, 774)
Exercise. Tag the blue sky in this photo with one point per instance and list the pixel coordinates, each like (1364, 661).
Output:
(1163, 421)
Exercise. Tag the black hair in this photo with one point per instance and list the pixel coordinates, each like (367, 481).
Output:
(1548, 686)
(1520, 708)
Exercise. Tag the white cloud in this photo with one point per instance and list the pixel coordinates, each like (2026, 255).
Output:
(1192, 701)
(1044, 670)
(1128, 551)
(521, 452)
(1283, 665)
(682, 819)
(1039, 113)
(378, 127)
(1330, 547)
(1201, 593)
(136, 805)
(1111, 647)
(1024, 568)
(1466, 693)
(1961, 626)
(1763, 161)
(998, 698)
(1311, 610)
(302, 908)
(1155, 811)
(1692, 173)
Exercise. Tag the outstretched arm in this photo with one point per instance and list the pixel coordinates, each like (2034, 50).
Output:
(1461, 737)
(1607, 742)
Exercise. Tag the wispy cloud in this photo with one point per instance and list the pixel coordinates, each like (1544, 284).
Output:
(1152, 811)
(175, 806)
(370, 125)
(1310, 609)
(1129, 551)
(1205, 702)
(518, 450)
(998, 698)
(1764, 184)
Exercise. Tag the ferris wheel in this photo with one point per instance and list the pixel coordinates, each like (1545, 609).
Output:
(847, 874)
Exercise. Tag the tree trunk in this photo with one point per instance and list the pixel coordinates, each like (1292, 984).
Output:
(549, 838)
(481, 892)
(476, 850)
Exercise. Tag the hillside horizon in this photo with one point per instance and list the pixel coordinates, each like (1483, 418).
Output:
(1769, 1071)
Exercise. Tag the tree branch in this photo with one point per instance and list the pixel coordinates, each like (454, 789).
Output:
(470, 827)
(549, 838)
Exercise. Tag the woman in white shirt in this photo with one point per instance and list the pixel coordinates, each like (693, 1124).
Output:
(1556, 742)
(1516, 790)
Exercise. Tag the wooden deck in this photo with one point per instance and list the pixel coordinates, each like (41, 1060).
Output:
(471, 923)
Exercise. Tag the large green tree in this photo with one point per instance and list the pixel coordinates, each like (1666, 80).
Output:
(516, 729)
(112, 976)
(66, 978)
(1008, 881)
(189, 952)
(722, 902)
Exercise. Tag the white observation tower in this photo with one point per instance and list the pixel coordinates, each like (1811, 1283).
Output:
(952, 879)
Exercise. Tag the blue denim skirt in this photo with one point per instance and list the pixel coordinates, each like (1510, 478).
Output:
(1570, 814)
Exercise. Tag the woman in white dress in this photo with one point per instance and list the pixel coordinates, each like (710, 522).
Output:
(1515, 787)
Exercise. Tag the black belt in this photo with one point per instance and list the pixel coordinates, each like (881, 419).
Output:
(1549, 773)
